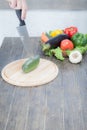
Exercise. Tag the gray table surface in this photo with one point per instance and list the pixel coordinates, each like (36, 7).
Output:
(58, 105)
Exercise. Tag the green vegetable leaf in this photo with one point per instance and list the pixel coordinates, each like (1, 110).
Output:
(48, 35)
(58, 53)
(82, 49)
(48, 52)
(86, 35)
(45, 47)
(68, 52)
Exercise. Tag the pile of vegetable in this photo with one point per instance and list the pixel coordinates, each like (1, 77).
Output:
(68, 42)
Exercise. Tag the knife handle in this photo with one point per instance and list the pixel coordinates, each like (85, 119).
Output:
(18, 13)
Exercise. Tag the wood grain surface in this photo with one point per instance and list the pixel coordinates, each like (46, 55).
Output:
(58, 105)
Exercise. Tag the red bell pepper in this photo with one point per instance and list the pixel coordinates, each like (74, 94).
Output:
(70, 31)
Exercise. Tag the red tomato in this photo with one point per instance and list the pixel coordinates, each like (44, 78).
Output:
(66, 44)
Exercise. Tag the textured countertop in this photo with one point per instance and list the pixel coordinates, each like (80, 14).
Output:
(58, 105)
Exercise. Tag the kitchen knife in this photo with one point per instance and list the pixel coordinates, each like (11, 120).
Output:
(23, 32)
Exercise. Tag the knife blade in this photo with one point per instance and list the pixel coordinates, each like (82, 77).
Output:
(23, 33)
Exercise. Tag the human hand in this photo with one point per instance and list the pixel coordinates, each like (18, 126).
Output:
(19, 4)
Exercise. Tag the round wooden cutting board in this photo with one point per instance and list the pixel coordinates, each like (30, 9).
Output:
(44, 73)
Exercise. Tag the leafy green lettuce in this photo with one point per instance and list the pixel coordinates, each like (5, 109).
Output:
(81, 49)
(55, 52)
